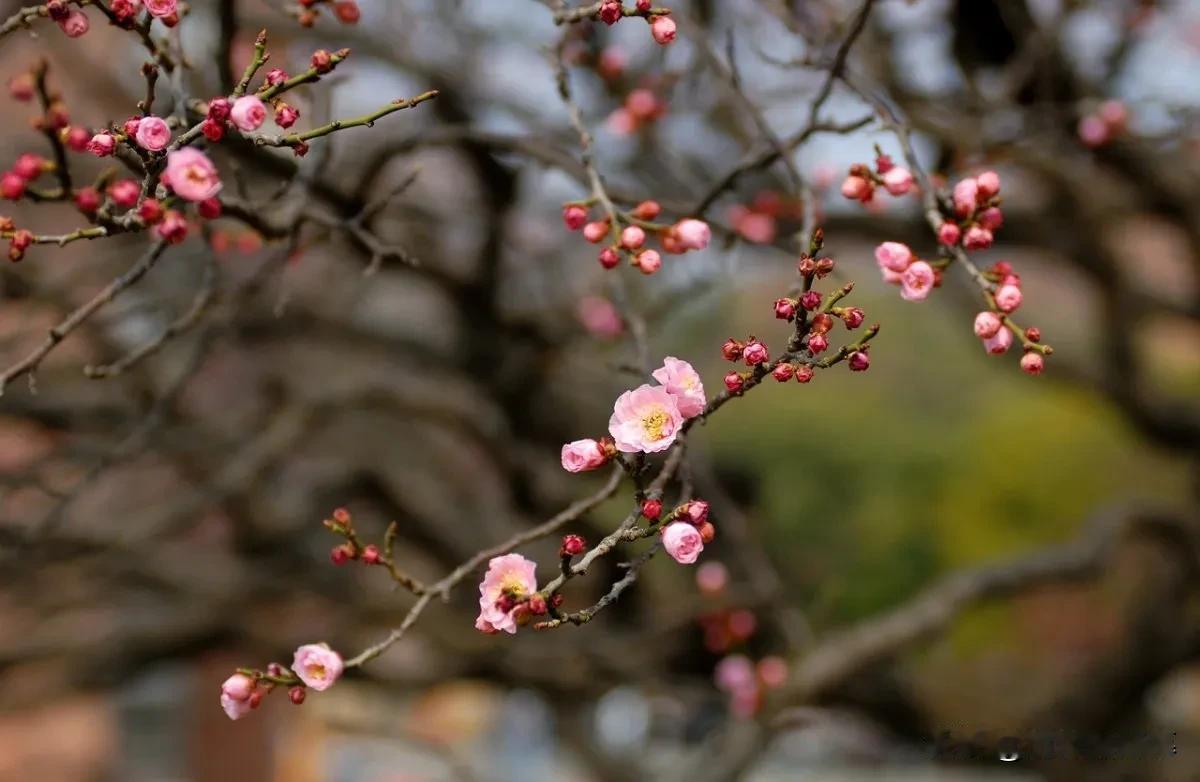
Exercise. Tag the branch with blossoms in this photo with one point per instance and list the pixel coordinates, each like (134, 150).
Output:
(175, 180)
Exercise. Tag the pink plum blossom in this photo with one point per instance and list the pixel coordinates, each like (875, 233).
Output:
(1008, 298)
(682, 380)
(898, 181)
(235, 696)
(161, 8)
(583, 455)
(966, 195)
(988, 184)
(987, 324)
(893, 256)
(917, 281)
(509, 579)
(646, 419)
(248, 113)
(999, 342)
(192, 175)
(318, 666)
(693, 234)
(682, 541)
(102, 144)
(153, 134)
(663, 29)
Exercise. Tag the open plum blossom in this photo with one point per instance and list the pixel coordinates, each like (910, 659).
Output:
(508, 580)
(248, 113)
(318, 666)
(893, 258)
(680, 379)
(683, 542)
(584, 455)
(646, 419)
(235, 696)
(916, 281)
(192, 175)
(153, 134)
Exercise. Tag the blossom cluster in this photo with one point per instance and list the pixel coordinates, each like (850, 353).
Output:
(314, 666)
(662, 26)
(1099, 127)
(626, 233)
(862, 182)
(308, 11)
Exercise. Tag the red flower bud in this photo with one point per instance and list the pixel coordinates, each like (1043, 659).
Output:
(735, 382)
(370, 554)
(572, 546)
(804, 373)
(652, 509)
(732, 349)
(296, 695)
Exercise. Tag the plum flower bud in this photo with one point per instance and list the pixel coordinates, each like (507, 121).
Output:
(987, 324)
(322, 61)
(818, 344)
(370, 554)
(1033, 334)
(1093, 131)
(347, 11)
(884, 164)
(810, 300)
(600, 317)
(130, 127)
(21, 87)
(643, 5)
(595, 231)
(218, 109)
(648, 261)
(297, 695)
(966, 196)
(754, 353)
(991, 218)
(633, 237)
(12, 186)
(804, 373)
(213, 131)
(663, 30)
(857, 188)
(999, 342)
(209, 208)
(583, 455)
(647, 210)
(988, 184)
(917, 281)
(693, 234)
(29, 166)
(87, 199)
(124, 192)
(707, 532)
(153, 134)
(853, 317)
(712, 577)
(173, 228)
(341, 554)
(318, 666)
(977, 238)
(248, 113)
(734, 382)
(75, 24)
(150, 211)
(572, 546)
(77, 138)
(276, 76)
(161, 8)
(652, 509)
(785, 309)
(610, 12)
(102, 144)
(949, 233)
(695, 511)
(1008, 298)
(286, 115)
(235, 696)
(732, 349)
(574, 216)
(783, 372)
(609, 258)
(1032, 363)
(898, 181)
(683, 542)
(859, 361)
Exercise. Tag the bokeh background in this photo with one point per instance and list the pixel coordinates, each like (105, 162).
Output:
(162, 527)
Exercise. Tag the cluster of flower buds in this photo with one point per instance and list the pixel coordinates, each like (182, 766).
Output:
(628, 235)
(746, 682)
(341, 523)
(19, 239)
(314, 666)
(757, 221)
(25, 170)
(977, 214)
(997, 331)
(509, 596)
(1099, 127)
(640, 109)
(662, 26)
(308, 11)
(685, 530)
(861, 183)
